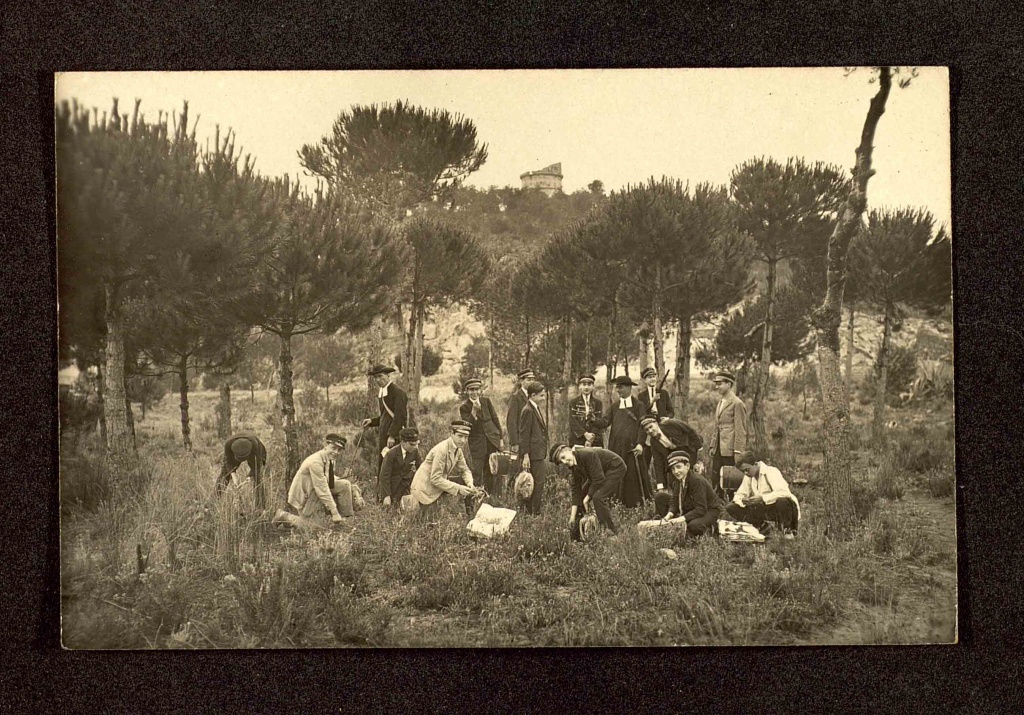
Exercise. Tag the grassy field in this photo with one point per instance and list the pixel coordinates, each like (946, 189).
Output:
(171, 567)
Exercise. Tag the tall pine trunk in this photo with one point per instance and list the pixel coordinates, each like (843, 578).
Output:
(764, 367)
(588, 355)
(849, 351)
(119, 443)
(658, 329)
(224, 411)
(100, 390)
(416, 374)
(840, 517)
(644, 341)
(490, 354)
(285, 391)
(566, 377)
(373, 356)
(611, 351)
(882, 379)
(186, 430)
(684, 339)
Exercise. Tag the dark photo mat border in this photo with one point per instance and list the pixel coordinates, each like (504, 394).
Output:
(980, 44)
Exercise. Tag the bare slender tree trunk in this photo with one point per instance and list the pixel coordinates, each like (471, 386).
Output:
(416, 378)
(224, 411)
(849, 352)
(684, 339)
(763, 373)
(490, 354)
(566, 377)
(881, 383)
(119, 443)
(100, 390)
(373, 356)
(838, 508)
(285, 391)
(658, 337)
(611, 352)
(644, 341)
(131, 418)
(186, 431)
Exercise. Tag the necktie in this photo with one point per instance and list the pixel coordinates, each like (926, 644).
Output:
(330, 474)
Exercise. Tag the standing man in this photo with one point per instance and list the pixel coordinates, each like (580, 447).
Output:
(315, 492)
(516, 403)
(594, 477)
(533, 443)
(626, 440)
(693, 498)
(394, 412)
(586, 416)
(662, 440)
(730, 438)
(399, 465)
(244, 447)
(445, 471)
(484, 434)
(655, 401)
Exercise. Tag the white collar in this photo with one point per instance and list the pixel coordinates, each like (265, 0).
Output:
(626, 402)
(384, 390)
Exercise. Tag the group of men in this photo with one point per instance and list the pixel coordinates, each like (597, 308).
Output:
(650, 456)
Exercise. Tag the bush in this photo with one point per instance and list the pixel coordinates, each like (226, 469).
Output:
(431, 364)
(941, 484)
(888, 479)
(84, 483)
(864, 500)
(899, 376)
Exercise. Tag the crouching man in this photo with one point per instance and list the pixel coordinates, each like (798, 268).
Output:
(316, 493)
(444, 471)
(594, 477)
(693, 497)
(764, 499)
(399, 466)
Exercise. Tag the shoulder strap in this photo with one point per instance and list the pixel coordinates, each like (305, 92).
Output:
(387, 408)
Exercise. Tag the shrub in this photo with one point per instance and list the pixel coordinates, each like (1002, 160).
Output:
(888, 479)
(84, 483)
(883, 533)
(864, 500)
(431, 363)
(941, 484)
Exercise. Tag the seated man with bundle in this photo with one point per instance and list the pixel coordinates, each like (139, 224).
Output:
(316, 493)
(764, 498)
(693, 499)
(594, 474)
(445, 471)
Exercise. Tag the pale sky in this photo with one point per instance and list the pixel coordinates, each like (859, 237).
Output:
(619, 126)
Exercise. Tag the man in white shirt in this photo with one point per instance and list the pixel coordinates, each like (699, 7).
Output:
(764, 498)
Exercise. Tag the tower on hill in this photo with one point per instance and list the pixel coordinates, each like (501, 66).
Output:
(548, 179)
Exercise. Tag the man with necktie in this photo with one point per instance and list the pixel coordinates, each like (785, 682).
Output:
(516, 403)
(655, 401)
(533, 443)
(445, 471)
(400, 463)
(316, 493)
(730, 438)
(586, 416)
(484, 434)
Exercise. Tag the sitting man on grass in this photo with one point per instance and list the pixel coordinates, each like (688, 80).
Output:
(693, 498)
(400, 464)
(594, 477)
(444, 471)
(764, 499)
(315, 493)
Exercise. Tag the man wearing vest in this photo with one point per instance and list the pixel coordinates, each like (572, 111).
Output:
(316, 493)
(516, 403)
(586, 416)
(730, 438)
(654, 400)
(484, 434)
(394, 413)
(445, 471)
(400, 463)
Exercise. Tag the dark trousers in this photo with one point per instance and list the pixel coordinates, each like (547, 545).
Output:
(781, 514)
(703, 524)
(717, 462)
(482, 476)
(255, 473)
(539, 470)
(600, 495)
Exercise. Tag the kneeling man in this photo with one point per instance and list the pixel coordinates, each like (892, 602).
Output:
(693, 498)
(595, 474)
(315, 492)
(444, 471)
(400, 463)
(764, 497)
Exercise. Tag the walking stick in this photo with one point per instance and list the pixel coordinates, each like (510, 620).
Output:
(640, 479)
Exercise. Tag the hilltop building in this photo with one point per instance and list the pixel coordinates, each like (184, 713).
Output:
(548, 179)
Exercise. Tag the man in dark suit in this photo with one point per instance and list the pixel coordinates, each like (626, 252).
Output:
(662, 439)
(394, 413)
(484, 434)
(654, 400)
(533, 443)
(399, 465)
(693, 498)
(594, 477)
(586, 416)
(516, 403)
(244, 447)
(730, 438)
(626, 439)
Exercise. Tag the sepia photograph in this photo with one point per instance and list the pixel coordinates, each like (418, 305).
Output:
(505, 358)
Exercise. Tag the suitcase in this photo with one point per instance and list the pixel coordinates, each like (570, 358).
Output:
(505, 467)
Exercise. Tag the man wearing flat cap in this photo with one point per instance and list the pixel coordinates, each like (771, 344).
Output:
(625, 438)
(399, 466)
(663, 438)
(586, 416)
(516, 403)
(394, 411)
(594, 477)
(654, 400)
(533, 443)
(730, 437)
(484, 434)
(244, 447)
(316, 492)
(444, 471)
(693, 498)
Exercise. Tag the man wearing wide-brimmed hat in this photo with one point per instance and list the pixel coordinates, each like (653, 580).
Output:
(315, 490)
(654, 400)
(394, 411)
(586, 415)
(516, 403)
(625, 438)
(445, 471)
(484, 435)
(594, 477)
(730, 437)
(399, 465)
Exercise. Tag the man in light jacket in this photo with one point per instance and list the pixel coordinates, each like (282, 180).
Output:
(315, 492)
(445, 471)
(730, 438)
(764, 497)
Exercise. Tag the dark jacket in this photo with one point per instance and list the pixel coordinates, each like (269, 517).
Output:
(485, 434)
(580, 421)
(394, 403)
(682, 436)
(396, 473)
(516, 403)
(594, 465)
(694, 497)
(257, 458)
(664, 401)
(533, 433)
